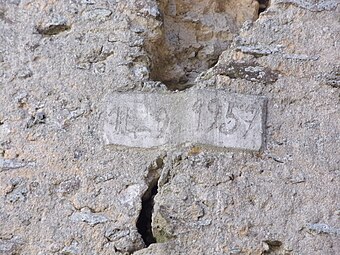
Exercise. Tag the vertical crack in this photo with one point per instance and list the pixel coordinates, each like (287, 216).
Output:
(145, 217)
(144, 221)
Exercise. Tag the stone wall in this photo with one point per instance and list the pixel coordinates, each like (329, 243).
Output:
(65, 188)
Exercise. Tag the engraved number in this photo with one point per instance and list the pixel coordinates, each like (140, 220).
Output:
(215, 108)
(126, 122)
(231, 123)
(163, 120)
(197, 107)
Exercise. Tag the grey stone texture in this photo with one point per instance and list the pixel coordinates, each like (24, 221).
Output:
(206, 117)
(64, 190)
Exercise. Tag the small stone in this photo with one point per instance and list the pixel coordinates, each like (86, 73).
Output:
(11, 246)
(53, 27)
(88, 217)
(24, 73)
(116, 233)
(38, 118)
(249, 71)
(69, 186)
(97, 14)
(72, 249)
(8, 164)
(235, 251)
(321, 228)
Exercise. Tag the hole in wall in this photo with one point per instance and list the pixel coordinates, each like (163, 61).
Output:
(145, 217)
(273, 247)
(194, 34)
(263, 5)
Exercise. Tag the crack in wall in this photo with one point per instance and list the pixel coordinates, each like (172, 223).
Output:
(144, 221)
(145, 217)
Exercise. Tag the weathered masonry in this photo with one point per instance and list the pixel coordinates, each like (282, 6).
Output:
(214, 118)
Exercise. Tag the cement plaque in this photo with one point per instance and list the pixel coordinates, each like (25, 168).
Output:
(207, 117)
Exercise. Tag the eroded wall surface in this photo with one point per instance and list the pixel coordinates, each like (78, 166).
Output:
(65, 190)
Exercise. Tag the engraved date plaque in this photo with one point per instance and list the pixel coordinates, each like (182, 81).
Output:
(207, 117)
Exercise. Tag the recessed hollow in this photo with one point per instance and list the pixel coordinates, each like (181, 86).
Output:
(263, 5)
(194, 34)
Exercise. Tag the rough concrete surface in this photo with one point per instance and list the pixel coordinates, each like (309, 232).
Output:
(64, 190)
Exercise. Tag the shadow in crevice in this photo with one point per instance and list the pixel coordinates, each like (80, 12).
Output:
(263, 5)
(273, 247)
(145, 217)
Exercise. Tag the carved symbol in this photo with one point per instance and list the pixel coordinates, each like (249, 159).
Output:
(163, 120)
(214, 107)
(215, 118)
(125, 122)
(251, 121)
(133, 125)
(117, 115)
(197, 107)
(231, 122)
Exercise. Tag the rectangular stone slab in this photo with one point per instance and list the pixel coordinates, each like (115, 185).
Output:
(203, 117)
